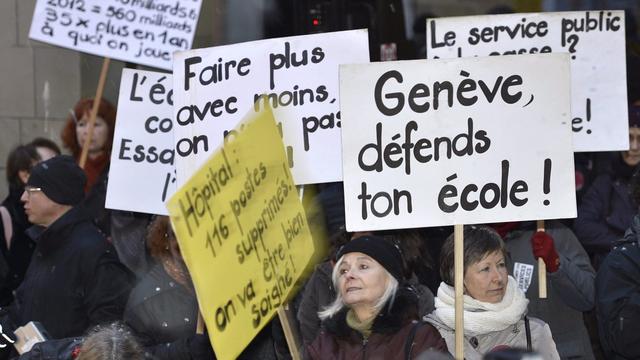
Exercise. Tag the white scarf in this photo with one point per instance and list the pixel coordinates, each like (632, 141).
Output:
(482, 317)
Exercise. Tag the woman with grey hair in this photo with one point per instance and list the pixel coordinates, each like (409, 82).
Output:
(494, 307)
(110, 342)
(374, 314)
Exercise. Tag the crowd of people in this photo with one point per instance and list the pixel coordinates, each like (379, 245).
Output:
(106, 284)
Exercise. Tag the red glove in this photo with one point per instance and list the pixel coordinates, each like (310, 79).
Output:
(542, 245)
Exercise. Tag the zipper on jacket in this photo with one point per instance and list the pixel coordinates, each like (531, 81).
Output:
(364, 347)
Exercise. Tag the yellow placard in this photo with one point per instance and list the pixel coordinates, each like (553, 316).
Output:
(243, 233)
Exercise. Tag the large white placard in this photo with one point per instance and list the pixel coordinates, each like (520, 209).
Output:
(594, 39)
(459, 141)
(144, 32)
(142, 172)
(216, 87)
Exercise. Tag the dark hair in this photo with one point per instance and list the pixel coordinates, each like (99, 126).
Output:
(46, 143)
(20, 158)
(411, 243)
(111, 342)
(479, 241)
(105, 110)
(158, 234)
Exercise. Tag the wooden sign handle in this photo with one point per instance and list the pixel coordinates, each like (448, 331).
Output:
(542, 268)
(458, 253)
(290, 333)
(94, 112)
(200, 324)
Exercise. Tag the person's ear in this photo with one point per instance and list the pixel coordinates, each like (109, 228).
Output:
(24, 176)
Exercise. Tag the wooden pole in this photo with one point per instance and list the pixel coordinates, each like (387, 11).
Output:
(290, 333)
(200, 324)
(94, 112)
(542, 268)
(287, 317)
(458, 234)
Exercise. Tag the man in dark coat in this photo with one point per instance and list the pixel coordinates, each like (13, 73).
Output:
(75, 280)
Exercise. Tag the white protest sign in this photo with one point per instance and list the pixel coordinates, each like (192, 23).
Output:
(142, 172)
(144, 32)
(460, 141)
(216, 87)
(594, 39)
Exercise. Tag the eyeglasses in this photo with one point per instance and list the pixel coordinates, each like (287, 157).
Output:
(31, 190)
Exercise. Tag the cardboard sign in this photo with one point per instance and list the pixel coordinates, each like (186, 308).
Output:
(142, 172)
(214, 87)
(463, 141)
(243, 234)
(594, 39)
(137, 31)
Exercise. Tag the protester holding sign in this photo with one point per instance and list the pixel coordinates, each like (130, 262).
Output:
(319, 291)
(96, 168)
(373, 312)
(570, 279)
(162, 309)
(494, 306)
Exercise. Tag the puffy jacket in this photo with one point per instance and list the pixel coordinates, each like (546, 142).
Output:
(513, 337)
(388, 340)
(618, 297)
(163, 314)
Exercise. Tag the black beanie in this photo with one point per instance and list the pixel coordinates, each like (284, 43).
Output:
(379, 249)
(60, 178)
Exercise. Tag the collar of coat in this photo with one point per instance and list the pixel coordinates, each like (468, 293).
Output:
(50, 238)
(390, 319)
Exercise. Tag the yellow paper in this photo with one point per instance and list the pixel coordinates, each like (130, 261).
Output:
(243, 233)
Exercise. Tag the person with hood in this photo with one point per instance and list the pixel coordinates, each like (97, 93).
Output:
(494, 307)
(618, 292)
(374, 314)
(607, 209)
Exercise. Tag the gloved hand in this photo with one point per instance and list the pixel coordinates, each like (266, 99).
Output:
(543, 247)
(200, 347)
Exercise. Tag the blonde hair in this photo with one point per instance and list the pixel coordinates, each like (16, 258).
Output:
(338, 304)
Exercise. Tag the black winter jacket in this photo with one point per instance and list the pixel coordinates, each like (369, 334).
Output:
(163, 314)
(605, 212)
(618, 297)
(74, 281)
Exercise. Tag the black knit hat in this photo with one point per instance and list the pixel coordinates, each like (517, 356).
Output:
(384, 252)
(60, 178)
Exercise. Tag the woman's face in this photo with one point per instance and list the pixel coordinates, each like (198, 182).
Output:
(362, 280)
(100, 134)
(486, 280)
